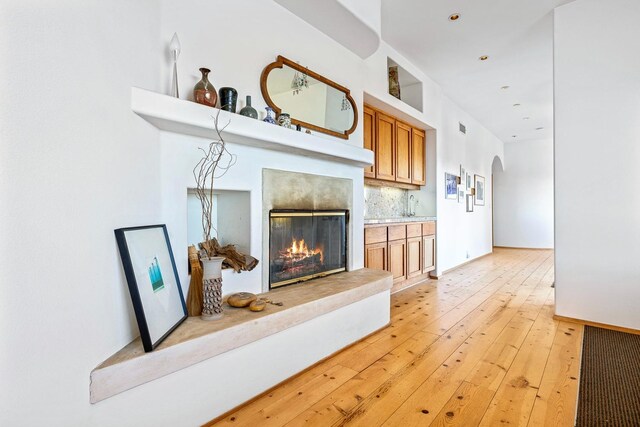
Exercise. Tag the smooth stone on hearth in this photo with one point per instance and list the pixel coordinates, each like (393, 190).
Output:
(241, 299)
(257, 305)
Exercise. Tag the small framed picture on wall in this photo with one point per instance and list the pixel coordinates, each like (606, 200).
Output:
(460, 193)
(450, 186)
(469, 202)
(480, 190)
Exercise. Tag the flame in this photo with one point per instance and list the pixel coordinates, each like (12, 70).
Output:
(299, 249)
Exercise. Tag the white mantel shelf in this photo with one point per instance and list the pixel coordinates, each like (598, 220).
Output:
(189, 118)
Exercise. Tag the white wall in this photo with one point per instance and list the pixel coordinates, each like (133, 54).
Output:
(597, 152)
(523, 196)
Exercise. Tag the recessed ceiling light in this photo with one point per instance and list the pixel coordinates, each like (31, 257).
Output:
(454, 17)
(540, 128)
(526, 118)
(483, 58)
(516, 105)
(505, 87)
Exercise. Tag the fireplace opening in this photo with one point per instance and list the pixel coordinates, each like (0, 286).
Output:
(305, 244)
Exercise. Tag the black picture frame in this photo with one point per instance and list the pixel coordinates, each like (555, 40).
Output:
(155, 322)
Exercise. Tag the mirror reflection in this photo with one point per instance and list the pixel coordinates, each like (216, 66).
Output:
(309, 100)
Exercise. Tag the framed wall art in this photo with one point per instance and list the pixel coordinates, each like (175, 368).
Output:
(469, 183)
(460, 193)
(450, 186)
(469, 202)
(480, 190)
(153, 281)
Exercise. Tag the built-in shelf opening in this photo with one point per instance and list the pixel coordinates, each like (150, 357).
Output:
(410, 86)
(231, 218)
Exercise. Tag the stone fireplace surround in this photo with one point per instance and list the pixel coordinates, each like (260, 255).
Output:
(336, 312)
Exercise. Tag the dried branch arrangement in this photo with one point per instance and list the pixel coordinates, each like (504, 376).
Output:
(215, 162)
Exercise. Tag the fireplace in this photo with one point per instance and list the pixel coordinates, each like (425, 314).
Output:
(305, 244)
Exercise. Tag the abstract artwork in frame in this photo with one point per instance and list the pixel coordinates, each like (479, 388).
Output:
(463, 175)
(450, 186)
(480, 190)
(469, 183)
(460, 193)
(469, 202)
(153, 282)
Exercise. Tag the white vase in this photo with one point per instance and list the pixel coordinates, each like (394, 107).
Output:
(212, 288)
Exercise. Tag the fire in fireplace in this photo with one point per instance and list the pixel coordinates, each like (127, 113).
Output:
(306, 244)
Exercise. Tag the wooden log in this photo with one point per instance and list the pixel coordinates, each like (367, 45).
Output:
(232, 258)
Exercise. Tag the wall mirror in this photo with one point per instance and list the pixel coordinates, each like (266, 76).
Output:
(312, 100)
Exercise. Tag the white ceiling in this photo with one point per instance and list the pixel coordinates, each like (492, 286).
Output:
(517, 35)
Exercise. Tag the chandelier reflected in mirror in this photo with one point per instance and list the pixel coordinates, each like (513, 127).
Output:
(300, 80)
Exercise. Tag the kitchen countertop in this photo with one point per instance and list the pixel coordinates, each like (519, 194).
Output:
(391, 220)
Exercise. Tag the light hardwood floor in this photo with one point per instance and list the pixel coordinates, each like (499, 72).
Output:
(477, 347)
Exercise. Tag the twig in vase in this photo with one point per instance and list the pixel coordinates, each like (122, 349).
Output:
(212, 165)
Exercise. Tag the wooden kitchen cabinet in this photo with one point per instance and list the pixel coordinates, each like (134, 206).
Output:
(407, 250)
(385, 160)
(397, 260)
(403, 152)
(399, 150)
(414, 257)
(369, 124)
(429, 253)
(375, 256)
(418, 157)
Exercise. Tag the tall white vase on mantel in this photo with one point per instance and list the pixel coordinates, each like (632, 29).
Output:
(212, 288)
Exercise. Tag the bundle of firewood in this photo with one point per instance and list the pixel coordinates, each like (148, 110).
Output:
(232, 258)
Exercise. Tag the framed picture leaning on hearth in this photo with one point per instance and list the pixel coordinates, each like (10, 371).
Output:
(480, 190)
(153, 281)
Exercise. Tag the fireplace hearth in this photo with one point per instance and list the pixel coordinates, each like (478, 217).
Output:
(305, 244)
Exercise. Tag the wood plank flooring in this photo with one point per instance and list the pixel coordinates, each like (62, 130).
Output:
(479, 347)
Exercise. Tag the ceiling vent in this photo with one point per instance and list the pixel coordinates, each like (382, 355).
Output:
(463, 128)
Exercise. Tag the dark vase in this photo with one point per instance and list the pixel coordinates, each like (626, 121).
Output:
(203, 91)
(228, 98)
(248, 110)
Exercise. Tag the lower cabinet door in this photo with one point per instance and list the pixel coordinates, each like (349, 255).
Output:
(414, 257)
(375, 256)
(429, 251)
(397, 260)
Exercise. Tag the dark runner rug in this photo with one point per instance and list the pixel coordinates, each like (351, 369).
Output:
(609, 379)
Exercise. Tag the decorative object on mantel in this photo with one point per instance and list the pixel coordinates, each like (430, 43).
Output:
(174, 48)
(479, 186)
(215, 162)
(194, 296)
(248, 110)
(284, 120)
(394, 82)
(316, 103)
(204, 92)
(228, 99)
(269, 117)
(153, 281)
(241, 299)
(450, 186)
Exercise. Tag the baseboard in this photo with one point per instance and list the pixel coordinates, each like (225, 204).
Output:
(596, 324)
(433, 276)
(409, 283)
(519, 247)
(270, 389)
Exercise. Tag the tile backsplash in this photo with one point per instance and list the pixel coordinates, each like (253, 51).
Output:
(384, 202)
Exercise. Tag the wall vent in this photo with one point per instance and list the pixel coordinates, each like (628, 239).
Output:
(463, 128)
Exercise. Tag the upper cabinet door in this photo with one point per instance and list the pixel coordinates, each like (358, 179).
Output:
(403, 152)
(369, 123)
(385, 147)
(418, 157)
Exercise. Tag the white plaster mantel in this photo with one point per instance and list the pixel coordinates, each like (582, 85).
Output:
(189, 118)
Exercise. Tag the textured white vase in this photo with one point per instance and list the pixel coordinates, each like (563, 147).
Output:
(212, 288)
